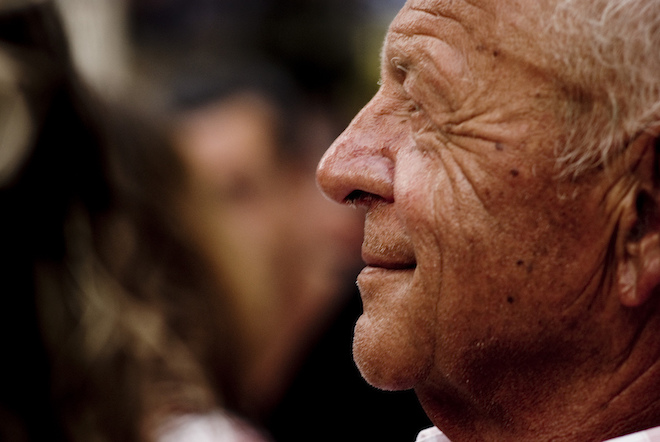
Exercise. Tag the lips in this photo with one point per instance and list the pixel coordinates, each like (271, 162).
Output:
(397, 262)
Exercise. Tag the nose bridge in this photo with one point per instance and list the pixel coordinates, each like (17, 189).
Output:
(360, 160)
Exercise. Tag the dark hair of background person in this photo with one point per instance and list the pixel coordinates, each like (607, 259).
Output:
(105, 320)
(204, 82)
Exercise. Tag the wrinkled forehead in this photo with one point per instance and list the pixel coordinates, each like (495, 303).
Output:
(456, 7)
(514, 24)
(492, 7)
(511, 30)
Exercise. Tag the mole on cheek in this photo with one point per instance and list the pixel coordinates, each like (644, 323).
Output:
(529, 267)
(514, 172)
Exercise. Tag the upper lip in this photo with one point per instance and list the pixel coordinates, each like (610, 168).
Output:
(388, 246)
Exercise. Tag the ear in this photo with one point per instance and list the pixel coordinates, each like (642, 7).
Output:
(638, 271)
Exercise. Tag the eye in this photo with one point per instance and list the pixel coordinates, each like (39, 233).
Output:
(401, 68)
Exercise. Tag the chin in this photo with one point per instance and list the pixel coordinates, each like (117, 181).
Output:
(386, 359)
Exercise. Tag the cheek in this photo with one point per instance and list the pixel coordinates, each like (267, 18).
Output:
(502, 253)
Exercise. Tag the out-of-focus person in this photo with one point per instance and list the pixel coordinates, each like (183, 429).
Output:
(253, 207)
(112, 329)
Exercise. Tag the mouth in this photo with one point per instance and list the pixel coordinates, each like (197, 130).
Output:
(388, 263)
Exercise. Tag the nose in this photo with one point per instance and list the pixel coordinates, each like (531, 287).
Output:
(359, 167)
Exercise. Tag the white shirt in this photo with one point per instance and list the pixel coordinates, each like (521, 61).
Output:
(431, 435)
(650, 435)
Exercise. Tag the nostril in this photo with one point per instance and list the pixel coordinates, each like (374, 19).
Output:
(355, 170)
(360, 198)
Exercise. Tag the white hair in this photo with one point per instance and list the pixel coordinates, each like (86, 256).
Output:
(607, 56)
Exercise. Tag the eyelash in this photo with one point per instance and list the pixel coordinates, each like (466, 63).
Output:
(398, 64)
(400, 68)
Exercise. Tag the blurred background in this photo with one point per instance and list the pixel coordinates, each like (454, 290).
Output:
(252, 92)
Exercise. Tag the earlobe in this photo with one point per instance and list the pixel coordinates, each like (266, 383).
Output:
(627, 283)
(649, 277)
(639, 273)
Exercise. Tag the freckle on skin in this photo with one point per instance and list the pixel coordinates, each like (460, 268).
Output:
(510, 300)
(520, 262)
(514, 172)
(499, 147)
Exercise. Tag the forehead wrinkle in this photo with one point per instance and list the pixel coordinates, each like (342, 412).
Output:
(438, 16)
(510, 26)
(441, 64)
(419, 23)
(443, 5)
(457, 10)
(419, 20)
(420, 35)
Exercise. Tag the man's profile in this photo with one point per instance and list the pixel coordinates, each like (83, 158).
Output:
(509, 167)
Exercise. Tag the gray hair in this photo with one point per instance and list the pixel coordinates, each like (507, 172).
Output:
(607, 56)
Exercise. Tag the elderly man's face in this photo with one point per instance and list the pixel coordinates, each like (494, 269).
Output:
(479, 259)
